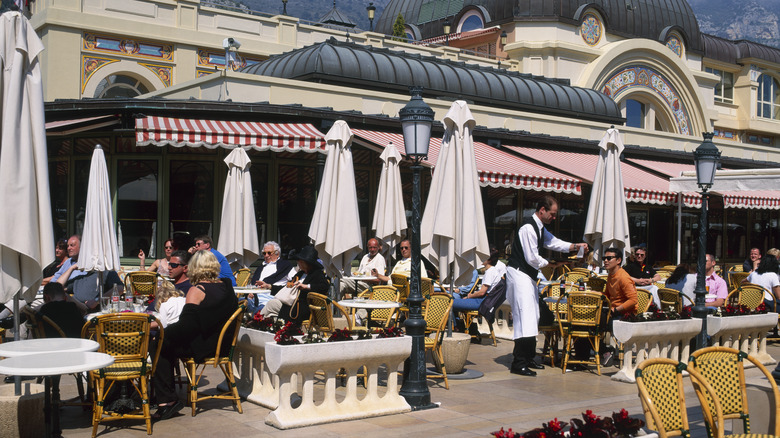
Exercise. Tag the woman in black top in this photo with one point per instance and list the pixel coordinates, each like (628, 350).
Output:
(310, 278)
(210, 303)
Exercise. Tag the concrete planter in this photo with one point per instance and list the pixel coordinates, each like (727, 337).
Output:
(331, 359)
(455, 350)
(21, 416)
(253, 379)
(745, 333)
(653, 339)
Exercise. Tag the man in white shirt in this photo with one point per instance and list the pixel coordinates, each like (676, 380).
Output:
(274, 271)
(371, 261)
(403, 266)
(521, 293)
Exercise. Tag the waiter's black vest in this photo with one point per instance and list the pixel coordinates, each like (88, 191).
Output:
(517, 257)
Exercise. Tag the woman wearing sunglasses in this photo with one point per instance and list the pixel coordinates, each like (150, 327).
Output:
(161, 265)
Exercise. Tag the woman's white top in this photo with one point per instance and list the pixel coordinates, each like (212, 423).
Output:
(170, 310)
(767, 280)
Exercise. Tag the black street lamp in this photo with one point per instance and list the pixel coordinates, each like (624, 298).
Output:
(706, 158)
(416, 120)
(284, 3)
(371, 11)
(447, 26)
(503, 38)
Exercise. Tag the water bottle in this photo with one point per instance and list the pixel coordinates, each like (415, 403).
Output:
(563, 285)
(114, 300)
(129, 301)
(582, 285)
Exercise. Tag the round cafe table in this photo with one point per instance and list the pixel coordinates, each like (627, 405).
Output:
(46, 345)
(52, 365)
(369, 305)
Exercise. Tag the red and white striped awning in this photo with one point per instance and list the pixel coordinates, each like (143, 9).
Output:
(639, 185)
(495, 168)
(278, 137)
(747, 199)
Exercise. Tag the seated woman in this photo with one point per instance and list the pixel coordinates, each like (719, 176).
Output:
(161, 265)
(209, 304)
(494, 270)
(683, 279)
(766, 276)
(309, 278)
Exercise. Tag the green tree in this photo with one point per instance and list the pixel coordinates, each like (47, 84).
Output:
(399, 29)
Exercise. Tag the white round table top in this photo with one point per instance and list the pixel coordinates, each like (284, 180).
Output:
(54, 364)
(370, 304)
(362, 277)
(46, 345)
(250, 290)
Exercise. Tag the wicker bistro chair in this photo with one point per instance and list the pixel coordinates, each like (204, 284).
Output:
(125, 336)
(436, 314)
(141, 282)
(736, 278)
(671, 299)
(383, 293)
(321, 313)
(661, 391)
(401, 282)
(747, 294)
(195, 370)
(243, 276)
(583, 320)
(643, 300)
(553, 333)
(597, 283)
(724, 370)
(575, 276)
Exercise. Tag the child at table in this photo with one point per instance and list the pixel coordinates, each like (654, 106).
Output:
(168, 304)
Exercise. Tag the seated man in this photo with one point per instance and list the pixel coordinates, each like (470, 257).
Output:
(83, 284)
(403, 266)
(641, 273)
(205, 242)
(621, 293)
(718, 290)
(494, 270)
(372, 260)
(272, 275)
(752, 262)
(66, 314)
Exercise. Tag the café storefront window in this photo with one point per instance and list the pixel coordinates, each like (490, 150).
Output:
(136, 208)
(500, 205)
(297, 199)
(191, 200)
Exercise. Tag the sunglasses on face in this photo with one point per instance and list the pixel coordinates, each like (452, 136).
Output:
(608, 258)
(267, 252)
(404, 247)
(168, 247)
(175, 265)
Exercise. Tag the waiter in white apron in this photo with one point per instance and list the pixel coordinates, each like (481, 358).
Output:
(523, 268)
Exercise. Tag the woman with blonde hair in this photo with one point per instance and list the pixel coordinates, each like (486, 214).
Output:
(209, 304)
(168, 304)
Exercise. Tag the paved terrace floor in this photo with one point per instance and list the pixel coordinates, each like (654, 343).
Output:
(470, 408)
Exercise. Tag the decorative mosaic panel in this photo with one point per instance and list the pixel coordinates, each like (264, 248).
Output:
(759, 139)
(207, 58)
(200, 73)
(726, 135)
(163, 72)
(89, 65)
(591, 29)
(675, 45)
(127, 47)
(644, 77)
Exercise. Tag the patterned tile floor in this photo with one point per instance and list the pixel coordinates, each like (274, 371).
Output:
(470, 408)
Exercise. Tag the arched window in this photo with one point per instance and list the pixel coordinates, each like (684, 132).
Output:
(471, 20)
(643, 113)
(120, 86)
(768, 98)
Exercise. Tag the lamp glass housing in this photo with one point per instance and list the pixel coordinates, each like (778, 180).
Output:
(371, 10)
(447, 27)
(503, 38)
(416, 120)
(706, 158)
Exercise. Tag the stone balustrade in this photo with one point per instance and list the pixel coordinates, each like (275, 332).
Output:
(334, 360)
(745, 333)
(253, 379)
(670, 339)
